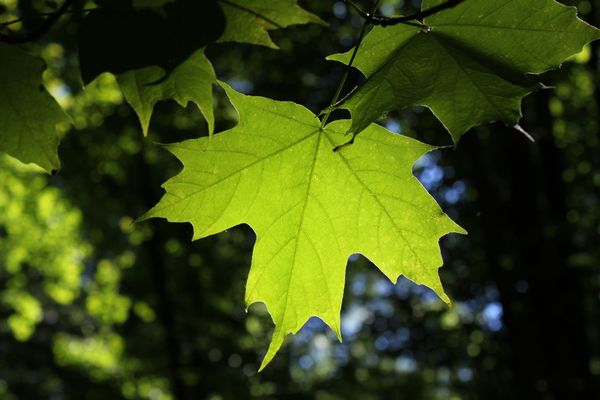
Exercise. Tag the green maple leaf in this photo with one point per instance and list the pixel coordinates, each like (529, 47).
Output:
(28, 114)
(311, 207)
(190, 81)
(469, 65)
(250, 21)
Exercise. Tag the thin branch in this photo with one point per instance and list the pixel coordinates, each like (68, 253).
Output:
(408, 19)
(370, 17)
(252, 12)
(373, 19)
(348, 69)
(341, 101)
(16, 21)
(43, 29)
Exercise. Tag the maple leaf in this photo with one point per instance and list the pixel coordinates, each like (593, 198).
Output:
(311, 207)
(190, 81)
(250, 21)
(28, 114)
(468, 64)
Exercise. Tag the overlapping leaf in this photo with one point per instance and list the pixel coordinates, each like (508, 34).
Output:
(120, 37)
(250, 21)
(154, 46)
(28, 114)
(190, 81)
(468, 66)
(311, 207)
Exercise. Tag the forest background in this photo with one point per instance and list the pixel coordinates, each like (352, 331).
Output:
(95, 306)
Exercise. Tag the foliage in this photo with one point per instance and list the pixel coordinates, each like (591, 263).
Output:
(29, 113)
(478, 77)
(41, 235)
(311, 207)
(190, 81)
(473, 54)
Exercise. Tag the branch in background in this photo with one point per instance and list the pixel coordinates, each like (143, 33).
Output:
(16, 21)
(42, 30)
(407, 20)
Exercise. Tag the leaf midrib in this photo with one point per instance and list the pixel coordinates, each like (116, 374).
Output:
(300, 225)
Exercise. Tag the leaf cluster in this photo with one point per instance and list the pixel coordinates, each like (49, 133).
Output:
(313, 194)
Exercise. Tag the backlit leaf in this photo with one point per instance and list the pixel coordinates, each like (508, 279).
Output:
(190, 81)
(311, 207)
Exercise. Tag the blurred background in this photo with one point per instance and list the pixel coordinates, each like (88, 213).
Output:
(95, 306)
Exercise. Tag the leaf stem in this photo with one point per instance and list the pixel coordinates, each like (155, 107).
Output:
(342, 83)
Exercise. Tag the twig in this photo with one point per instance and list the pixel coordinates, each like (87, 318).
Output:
(408, 19)
(16, 21)
(342, 83)
(43, 29)
(370, 18)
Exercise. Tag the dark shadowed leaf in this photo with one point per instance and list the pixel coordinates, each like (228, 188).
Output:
(468, 66)
(121, 38)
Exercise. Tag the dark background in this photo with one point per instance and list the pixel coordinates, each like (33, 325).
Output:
(93, 306)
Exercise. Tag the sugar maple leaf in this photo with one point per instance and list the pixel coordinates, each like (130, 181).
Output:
(468, 66)
(311, 207)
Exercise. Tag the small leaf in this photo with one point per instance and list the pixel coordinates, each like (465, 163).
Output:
(311, 207)
(28, 114)
(249, 21)
(468, 66)
(190, 81)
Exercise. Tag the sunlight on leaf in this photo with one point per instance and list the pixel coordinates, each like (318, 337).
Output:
(311, 207)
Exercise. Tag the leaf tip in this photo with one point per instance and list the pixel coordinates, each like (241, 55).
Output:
(338, 334)
(520, 129)
(51, 165)
(447, 300)
(438, 288)
(145, 127)
(144, 217)
(335, 326)
(229, 91)
(458, 230)
(276, 342)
